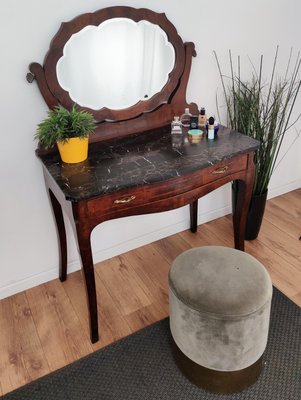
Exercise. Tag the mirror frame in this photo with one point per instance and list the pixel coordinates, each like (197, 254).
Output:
(152, 113)
(120, 59)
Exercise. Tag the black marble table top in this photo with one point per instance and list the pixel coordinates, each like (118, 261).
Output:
(142, 159)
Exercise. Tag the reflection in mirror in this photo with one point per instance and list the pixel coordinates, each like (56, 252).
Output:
(115, 64)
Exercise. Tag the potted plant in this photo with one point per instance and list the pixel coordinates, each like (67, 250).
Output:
(70, 130)
(261, 110)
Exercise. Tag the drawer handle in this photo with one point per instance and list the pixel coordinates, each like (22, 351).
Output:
(220, 170)
(125, 200)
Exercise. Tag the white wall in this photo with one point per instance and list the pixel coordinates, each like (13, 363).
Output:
(28, 244)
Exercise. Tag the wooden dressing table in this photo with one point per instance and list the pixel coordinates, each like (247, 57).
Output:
(135, 166)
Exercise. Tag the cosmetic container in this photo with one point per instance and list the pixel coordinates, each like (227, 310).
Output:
(211, 128)
(176, 126)
(216, 128)
(195, 135)
(202, 119)
(194, 122)
(185, 118)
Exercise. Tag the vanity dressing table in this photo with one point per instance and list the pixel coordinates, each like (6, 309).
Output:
(135, 166)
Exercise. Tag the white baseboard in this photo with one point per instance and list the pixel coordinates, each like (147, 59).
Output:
(274, 192)
(104, 254)
(150, 237)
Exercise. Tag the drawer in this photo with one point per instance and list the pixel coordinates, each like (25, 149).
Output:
(116, 201)
(201, 177)
(224, 168)
(146, 194)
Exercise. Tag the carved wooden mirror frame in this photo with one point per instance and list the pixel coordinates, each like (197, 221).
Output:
(145, 115)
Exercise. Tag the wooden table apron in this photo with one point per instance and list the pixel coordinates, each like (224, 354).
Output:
(86, 214)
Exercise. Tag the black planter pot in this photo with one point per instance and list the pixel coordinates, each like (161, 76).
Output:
(255, 214)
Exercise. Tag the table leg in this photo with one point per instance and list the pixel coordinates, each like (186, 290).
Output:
(194, 216)
(59, 219)
(240, 212)
(84, 245)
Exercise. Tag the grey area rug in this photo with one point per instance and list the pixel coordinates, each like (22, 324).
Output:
(141, 366)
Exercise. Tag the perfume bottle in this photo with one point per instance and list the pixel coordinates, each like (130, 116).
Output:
(176, 126)
(216, 127)
(194, 122)
(202, 119)
(185, 118)
(211, 128)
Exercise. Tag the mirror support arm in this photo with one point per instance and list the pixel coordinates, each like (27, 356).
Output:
(37, 73)
(180, 93)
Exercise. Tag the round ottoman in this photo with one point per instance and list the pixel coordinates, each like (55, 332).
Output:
(220, 302)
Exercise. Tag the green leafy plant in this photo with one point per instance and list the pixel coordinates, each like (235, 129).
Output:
(262, 111)
(62, 124)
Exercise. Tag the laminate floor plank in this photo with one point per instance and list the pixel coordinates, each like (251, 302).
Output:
(32, 351)
(146, 316)
(13, 371)
(111, 324)
(126, 288)
(23, 356)
(290, 202)
(281, 243)
(207, 237)
(171, 247)
(297, 192)
(74, 287)
(58, 326)
(297, 298)
(152, 269)
(286, 222)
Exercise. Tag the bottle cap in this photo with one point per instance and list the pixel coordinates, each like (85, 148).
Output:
(211, 121)
(202, 111)
(176, 118)
(186, 110)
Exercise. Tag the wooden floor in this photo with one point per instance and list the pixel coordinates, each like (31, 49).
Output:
(45, 328)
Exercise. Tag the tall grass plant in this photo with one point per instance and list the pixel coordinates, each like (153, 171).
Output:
(262, 110)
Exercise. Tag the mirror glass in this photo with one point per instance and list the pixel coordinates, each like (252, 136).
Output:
(115, 64)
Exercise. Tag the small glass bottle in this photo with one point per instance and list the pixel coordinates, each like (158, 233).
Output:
(185, 118)
(176, 126)
(216, 127)
(211, 128)
(202, 119)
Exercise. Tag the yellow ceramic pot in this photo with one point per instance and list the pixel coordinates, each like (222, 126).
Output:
(74, 150)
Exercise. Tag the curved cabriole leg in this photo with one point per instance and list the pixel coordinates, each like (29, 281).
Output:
(194, 216)
(59, 219)
(239, 216)
(83, 234)
(243, 198)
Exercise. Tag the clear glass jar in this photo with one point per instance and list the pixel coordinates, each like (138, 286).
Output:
(176, 126)
(185, 118)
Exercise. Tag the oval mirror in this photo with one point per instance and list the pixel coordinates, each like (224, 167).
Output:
(119, 63)
(115, 64)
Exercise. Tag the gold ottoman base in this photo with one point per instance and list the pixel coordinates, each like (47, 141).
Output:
(222, 382)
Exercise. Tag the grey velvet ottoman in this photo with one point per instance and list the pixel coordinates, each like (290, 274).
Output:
(220, 302)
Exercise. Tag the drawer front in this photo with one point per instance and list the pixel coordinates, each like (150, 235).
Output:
(116, 201)
(110, 203)
(224, 168)
(196, 179)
